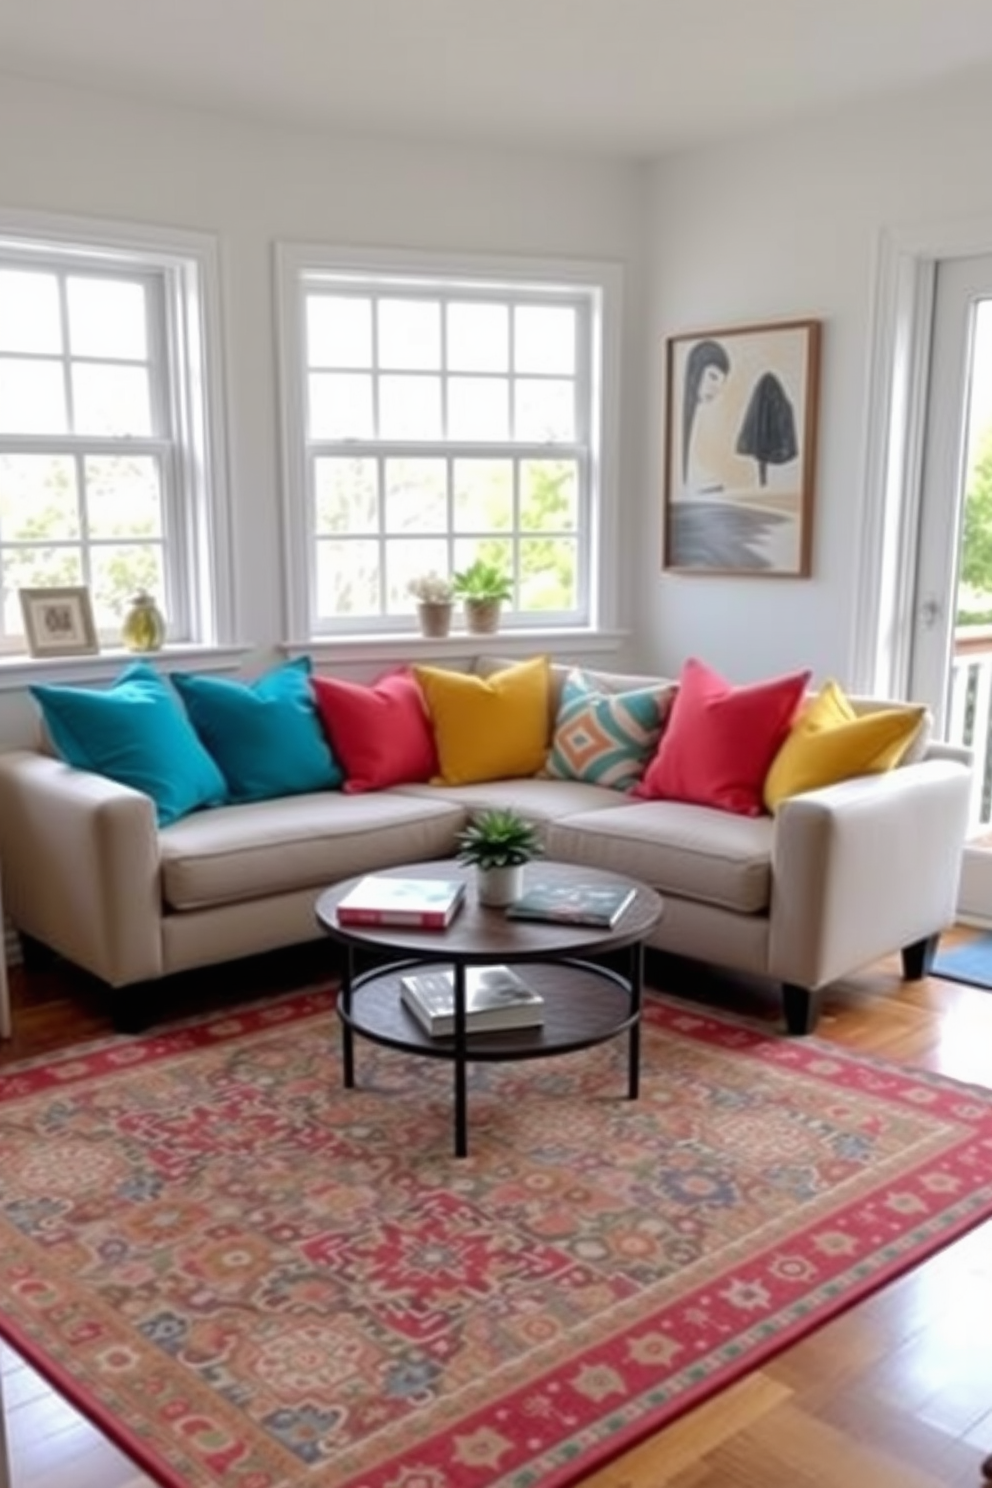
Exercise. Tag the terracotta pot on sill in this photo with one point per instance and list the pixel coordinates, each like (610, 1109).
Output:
(482, 616)
(434, 617)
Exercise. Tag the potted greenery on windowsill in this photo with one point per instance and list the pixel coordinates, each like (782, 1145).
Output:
(435, 600)
(498, 842)
(482, 588)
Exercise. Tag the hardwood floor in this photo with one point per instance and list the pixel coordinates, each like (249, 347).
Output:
(895, 1393)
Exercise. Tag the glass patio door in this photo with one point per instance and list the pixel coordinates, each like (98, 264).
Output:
(951, 665)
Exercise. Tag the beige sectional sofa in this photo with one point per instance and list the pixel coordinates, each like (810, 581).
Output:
(839, 877)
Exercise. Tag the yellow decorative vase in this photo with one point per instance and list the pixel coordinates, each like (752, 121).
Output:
(144, 624)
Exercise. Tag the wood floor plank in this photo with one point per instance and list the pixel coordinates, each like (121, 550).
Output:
(893, 1393)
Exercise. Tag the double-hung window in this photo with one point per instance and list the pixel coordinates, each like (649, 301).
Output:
(108, 463)
(435, 417)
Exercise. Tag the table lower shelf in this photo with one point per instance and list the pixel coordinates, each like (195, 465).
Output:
(584, 1004)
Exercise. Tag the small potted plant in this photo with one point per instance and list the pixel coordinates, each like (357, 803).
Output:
(499, 841)
(482, 587)
(435, 599)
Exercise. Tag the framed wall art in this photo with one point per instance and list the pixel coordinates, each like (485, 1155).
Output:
(59, 622)
(740, 449)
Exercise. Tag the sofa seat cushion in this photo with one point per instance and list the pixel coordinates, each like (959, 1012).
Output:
(537, 799)
(694, 852)
(264, 848)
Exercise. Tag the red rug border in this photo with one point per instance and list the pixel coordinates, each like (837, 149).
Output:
(27, 1077)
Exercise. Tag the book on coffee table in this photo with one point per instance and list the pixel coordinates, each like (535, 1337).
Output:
(573, 904)
(496, 998)
(426, 903)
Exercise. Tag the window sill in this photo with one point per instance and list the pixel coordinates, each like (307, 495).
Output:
(406, 646)
(18, 672)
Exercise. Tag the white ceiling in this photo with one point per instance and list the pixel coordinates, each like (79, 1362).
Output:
(630, 77)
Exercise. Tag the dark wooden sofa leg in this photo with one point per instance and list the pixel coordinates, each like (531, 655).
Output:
(35, 954)
(801, 1008)
(134, 1009)
(917, 959)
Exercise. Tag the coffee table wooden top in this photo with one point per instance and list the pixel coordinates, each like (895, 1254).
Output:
(480, 934)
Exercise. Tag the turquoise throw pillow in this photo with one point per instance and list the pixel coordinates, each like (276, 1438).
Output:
(265, 735)
(606, 738)
(134, 732)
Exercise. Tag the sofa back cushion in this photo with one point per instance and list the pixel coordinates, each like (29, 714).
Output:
(265, 735)
(134, 732)
(488, 728)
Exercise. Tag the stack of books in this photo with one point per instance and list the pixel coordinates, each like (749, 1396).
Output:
(425, 903)
(496, 998)
(573, 904)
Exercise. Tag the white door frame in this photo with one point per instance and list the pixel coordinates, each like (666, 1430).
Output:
(899, 361)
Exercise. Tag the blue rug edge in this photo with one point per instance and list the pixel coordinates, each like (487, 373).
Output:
(971, 963)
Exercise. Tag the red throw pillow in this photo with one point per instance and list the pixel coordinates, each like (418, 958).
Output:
(381, 734)
(721, 740)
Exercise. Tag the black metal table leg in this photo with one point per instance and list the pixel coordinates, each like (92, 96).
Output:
(347, 1035)
(636, 995)
(461, 1095)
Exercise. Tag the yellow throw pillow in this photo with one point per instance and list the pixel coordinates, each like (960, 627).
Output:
(488, 728)
(829, 742)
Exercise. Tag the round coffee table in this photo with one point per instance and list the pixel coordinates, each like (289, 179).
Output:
(584, 1003)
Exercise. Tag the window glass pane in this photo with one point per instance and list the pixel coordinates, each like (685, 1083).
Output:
(548, 573)
(111, 400)
(339, 331)
(38, 500)
(410, 335)
(32, 397)
(29, 312)
(548, 495)
(483, 492)
(544, 409)
(416, 495)
(107, 318)
(544, 338)
(123, 496)
(347, 579)
(410, 407)
(478, 408)
(346, 495)
(36, 568)
(405, 559)
(117, 572)
(340, 405)
(490, 549)
(478, 338)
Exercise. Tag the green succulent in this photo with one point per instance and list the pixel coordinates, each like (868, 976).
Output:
(482, 581)
(498, 838)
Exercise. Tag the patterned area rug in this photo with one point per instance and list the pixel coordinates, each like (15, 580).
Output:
(248, 1276)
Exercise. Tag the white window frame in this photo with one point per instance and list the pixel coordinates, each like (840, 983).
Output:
(183, 268)
(598, 285)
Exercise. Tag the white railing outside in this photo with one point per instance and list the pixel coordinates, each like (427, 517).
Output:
(969, 722)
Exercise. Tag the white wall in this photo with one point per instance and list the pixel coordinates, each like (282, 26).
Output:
(75, 151)
(777, 226)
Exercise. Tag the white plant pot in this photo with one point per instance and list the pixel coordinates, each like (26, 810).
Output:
(498, 887)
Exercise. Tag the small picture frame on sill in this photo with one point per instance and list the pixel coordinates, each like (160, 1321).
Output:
(59, 621)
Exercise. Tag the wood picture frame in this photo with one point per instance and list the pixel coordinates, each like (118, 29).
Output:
(59, 621)
(741, 415)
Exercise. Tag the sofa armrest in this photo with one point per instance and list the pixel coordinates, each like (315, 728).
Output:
(80, 866)
(864, 868)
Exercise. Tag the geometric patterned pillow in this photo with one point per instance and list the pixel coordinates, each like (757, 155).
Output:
(606, 738)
